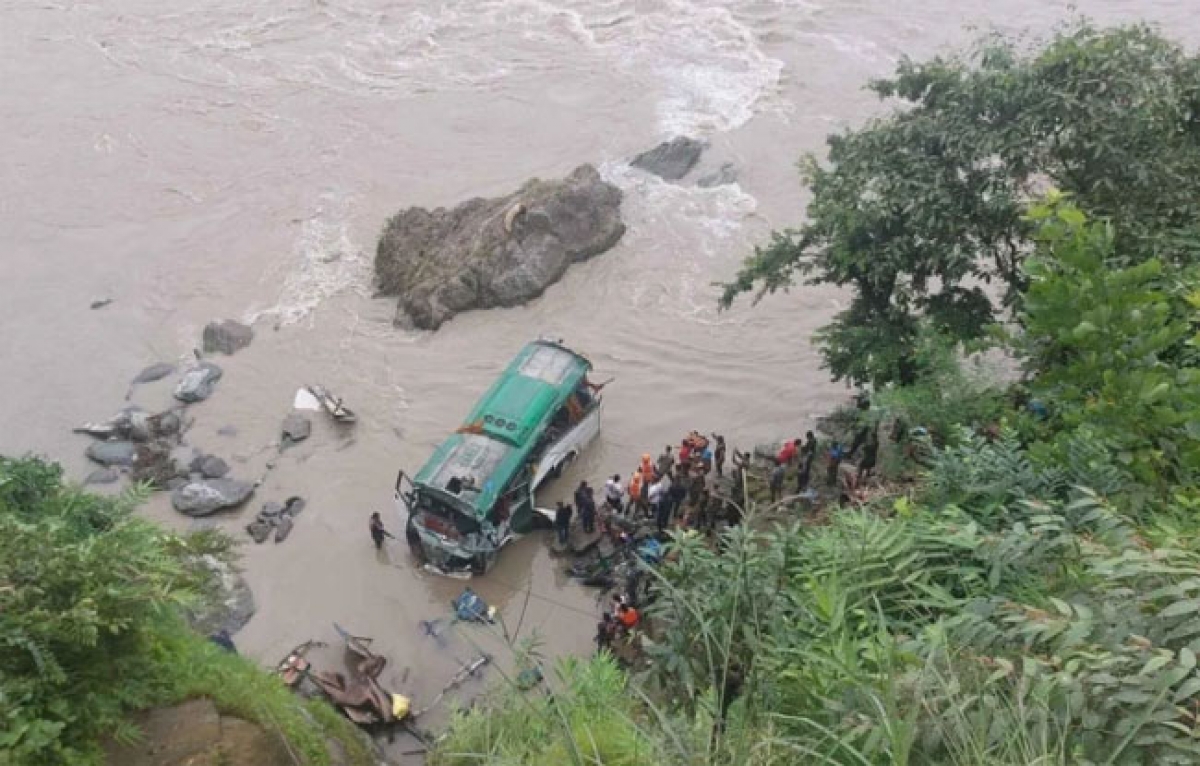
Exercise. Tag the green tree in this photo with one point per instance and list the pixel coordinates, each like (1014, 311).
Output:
(919, 211)
(1104, 346)
(81, 584)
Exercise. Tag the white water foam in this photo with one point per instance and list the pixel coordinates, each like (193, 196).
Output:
(712, 71)
(698, 61)
(325, 261)
(699, 58)
(679, 231)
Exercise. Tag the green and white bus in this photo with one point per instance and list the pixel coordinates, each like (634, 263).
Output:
(477, 489)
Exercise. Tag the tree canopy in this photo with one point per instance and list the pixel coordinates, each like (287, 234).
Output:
(920, 212)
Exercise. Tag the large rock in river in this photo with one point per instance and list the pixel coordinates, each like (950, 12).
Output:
(206, 496)
(670, 160)
(495, 252)
(112, 453)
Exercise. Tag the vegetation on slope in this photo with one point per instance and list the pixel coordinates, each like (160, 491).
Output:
(90, 629)
(1029, 592)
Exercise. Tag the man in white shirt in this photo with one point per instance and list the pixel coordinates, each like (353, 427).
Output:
(614, 493)
(658, 502)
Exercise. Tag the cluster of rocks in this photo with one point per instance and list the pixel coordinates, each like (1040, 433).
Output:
(150, 447)
(147, 446)
(505, 251)
(275, 518)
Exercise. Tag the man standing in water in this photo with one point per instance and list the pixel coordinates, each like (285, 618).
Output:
(377, 531)
(562, 522)
(586, 504)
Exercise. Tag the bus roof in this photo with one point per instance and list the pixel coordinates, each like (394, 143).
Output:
(504, 427)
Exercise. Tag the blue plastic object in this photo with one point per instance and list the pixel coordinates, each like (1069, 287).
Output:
(650, 551)
(469, 607)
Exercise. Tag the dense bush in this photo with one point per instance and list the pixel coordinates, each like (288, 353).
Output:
(90, 628)
(1033, 599)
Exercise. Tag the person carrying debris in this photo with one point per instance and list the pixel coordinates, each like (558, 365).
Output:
(836, 454)
(377, 530)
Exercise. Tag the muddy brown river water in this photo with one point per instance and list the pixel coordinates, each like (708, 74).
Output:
(237, 158)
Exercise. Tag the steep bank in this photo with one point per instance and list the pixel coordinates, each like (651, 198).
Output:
(92, 631)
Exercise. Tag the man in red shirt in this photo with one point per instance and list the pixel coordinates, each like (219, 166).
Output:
(789, 451)
(627, 616)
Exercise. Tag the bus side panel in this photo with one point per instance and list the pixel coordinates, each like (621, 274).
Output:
(522, 518)
(573, 442)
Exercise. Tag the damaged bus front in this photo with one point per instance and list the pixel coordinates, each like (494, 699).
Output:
(477, 489)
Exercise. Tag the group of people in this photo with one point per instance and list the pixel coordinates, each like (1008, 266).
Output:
(620, 622)
(659, 488)
(802, 453)
(585, 501)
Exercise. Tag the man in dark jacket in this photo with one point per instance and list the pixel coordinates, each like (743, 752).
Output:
(585, 501)
(562, 521)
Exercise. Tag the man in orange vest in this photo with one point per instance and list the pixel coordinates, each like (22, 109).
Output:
(635, 491)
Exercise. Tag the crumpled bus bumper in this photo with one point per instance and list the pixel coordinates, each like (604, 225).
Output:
(447, 556)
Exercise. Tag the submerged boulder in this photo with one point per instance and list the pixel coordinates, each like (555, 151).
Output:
(670, 160)
(197, 384)
(501, 251)
(228, 603)
(153, 372)
(213, 467)
(228, 337)
(112, 453)
(722, 176)
(205, 496)
(102, 476)
(296, 428)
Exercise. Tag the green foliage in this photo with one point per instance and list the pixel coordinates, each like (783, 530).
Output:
(81, 584)
(918, 211)
(591, 720)
(1103, 344)
(90, 628)
(945, 394)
